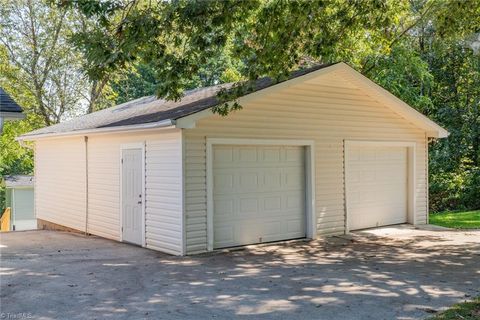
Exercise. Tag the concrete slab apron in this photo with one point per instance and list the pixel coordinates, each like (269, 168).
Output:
(399, 275)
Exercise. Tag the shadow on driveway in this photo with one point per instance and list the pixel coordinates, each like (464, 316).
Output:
(389, 275)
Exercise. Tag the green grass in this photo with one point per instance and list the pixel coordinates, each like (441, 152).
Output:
(466, 310)
(458, 220)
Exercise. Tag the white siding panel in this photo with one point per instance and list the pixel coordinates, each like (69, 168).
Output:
(60, 182)
(164, 184)
(328, 111)
(163, 192)
(60, 174)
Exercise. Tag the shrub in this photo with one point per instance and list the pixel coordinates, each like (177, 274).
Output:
(455, 190)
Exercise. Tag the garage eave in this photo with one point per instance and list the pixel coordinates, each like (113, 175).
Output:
(164, 124)
(438, 134)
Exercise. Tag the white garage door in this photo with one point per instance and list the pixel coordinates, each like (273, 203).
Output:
(258, 194)
(376, 186)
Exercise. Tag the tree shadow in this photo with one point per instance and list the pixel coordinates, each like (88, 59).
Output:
(357, 278)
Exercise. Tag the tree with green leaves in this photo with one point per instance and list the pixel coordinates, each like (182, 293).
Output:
(178, 38)
(14, 158)
(421, 50)
(436, 69)
(43, 72)
(416, 49)
(270, 38)
(36, 38)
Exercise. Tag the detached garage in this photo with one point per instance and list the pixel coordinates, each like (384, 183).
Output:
(325, 152)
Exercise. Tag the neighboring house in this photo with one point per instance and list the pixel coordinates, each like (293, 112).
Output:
(9, 109)
(323, 153)
(19, 198)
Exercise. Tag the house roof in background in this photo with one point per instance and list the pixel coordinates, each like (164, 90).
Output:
(7, 104)
(18, 181)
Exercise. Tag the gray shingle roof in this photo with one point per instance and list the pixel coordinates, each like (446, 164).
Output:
(7, 104)
(150, 109)
(18, 181)
(143, 110)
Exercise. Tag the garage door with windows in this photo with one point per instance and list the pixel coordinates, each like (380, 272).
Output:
(258, 194)
(376, 186)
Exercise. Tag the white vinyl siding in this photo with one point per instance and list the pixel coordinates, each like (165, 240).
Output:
(327, 110)
(163, 184)
(60, 182)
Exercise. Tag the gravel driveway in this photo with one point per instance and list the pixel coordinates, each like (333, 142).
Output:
(389, 273)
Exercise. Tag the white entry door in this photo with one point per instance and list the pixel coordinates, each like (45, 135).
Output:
(258, 194)
(132, 195)
(376, 186)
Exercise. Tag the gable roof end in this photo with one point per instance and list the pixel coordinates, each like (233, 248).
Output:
(390, 100)
(377, 92)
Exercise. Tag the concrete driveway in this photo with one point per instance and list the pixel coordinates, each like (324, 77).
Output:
(389, 273)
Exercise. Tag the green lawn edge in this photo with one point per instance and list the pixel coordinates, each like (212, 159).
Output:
(468, 310)
(456, 219)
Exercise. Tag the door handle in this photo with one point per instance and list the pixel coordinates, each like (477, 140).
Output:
(139, 202)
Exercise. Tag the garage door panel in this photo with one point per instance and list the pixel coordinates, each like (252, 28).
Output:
(224, 234)
(273, 203)
(376, 186)
(271, 154)
(292, 155)
(271, 228)
(224, 207)
(248, 181)
(223, 155)
(228, 208)
(247, 154)
(295, 201)
(223, 180)
(244, 181)
(265, 200)
(248, 207)
(272, 178)
(364, 219)
(295, 227)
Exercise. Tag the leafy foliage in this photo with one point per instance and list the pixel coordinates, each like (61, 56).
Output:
(436, 71)
(420, 50)
(36, 38)
(179, 38)
(14, 158)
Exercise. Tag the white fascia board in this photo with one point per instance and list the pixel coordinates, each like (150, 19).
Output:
(164, 124)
